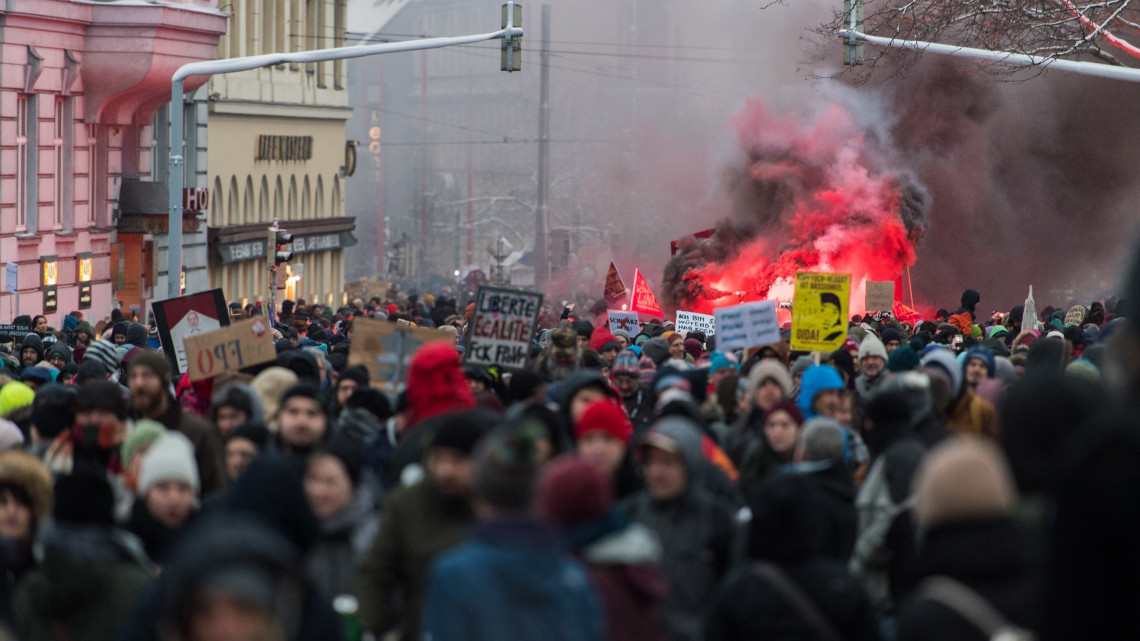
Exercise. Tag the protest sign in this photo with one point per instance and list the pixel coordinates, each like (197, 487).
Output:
(625, 321)
(819, 311)
(229, 349)
(178, 318)
(615, 288)
(880, 296)
(502, 327)
(694, 322)
(643, 299)
(746, 325)
(384, 348)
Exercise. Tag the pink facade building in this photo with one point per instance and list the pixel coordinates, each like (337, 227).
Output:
(81, 160)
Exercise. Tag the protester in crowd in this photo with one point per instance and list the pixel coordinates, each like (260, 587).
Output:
(344, 508)
(91, 572)
(971, 547)
(791, 590)
(696, 529)
(821, 456)
(167, 503)
(769, 383)
(419, 522)
(622, 557)
(302, 425)
(964, 411)
(148, 381)
(637, 400)
(602, 436)
(232, 405)
(25, 502)
(776, 444)
(512, 568)
(872, 366)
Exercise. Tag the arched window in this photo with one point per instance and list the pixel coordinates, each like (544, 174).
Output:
(249, 206)
(306, 200)
(291, 210)
(263, 201)
(233, 213)
(216, 204)
(278, 200)
(319, 198)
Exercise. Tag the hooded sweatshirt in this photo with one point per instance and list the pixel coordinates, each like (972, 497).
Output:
(696, 531)
(817, 378)
(436, 384)
(33, 341)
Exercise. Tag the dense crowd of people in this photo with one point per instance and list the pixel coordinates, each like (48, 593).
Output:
(951, 478)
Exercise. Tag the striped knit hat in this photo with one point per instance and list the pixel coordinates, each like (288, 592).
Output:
(104, 353)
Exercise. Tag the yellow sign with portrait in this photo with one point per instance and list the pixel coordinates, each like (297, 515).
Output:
(819, 311)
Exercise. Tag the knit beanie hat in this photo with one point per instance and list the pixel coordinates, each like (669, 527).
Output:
(10, 435)
(101, 395)
(944, 359)
(571, 490)
(171, 457)
(657, 349)
(459, 432)
(721, 360)
(872, 346)
(801, 365)
(626, 363)
(965, 478)
(983, 354)
(648, 370)
(506, 466)
(607, 417)
(14, 395)
(436, 384)
(769, 369)
(145, 432)
(903, 359)
(348, 452)
(890, 334)
(104, 353)
(694, 348)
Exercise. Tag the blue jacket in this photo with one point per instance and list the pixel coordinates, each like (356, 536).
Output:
(512, 580)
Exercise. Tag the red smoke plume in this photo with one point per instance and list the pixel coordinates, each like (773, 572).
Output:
(814, 193)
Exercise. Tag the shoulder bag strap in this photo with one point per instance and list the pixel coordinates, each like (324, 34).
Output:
(795, 597)
(966, 602)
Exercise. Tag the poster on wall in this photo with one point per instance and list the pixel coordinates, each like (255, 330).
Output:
(178, 318)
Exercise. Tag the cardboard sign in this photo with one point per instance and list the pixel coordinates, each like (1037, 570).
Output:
(185, 316)
(746, 325)
(880, 296)
(819, 311)
(615, 288)
(643, 299)
(502, 327)
(229, 349)
(694, 322)
(625, 321)
(384, 349)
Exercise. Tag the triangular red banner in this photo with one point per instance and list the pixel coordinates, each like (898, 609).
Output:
(615, 288)
(643, 299)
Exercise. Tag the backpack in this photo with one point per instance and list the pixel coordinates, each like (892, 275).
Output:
(876, 512)
(970, 605)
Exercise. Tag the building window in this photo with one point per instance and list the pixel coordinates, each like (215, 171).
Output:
(23, 151)
(59, 133)
(92, 177)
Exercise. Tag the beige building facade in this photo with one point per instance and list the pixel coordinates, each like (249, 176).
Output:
(276, 148)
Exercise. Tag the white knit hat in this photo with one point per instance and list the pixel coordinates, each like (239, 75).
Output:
(170, 458)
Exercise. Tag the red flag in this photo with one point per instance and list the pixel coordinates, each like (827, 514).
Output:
(615, 288)
(643, 299)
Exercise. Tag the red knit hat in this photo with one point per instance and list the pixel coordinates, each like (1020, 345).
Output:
(600, 337)
(605, 416)
(572, 490)
(436, 384)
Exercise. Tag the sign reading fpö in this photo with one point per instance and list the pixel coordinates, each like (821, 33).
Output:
(284, 148)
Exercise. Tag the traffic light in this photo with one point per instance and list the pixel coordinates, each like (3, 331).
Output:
(511, 47)
(279, 243)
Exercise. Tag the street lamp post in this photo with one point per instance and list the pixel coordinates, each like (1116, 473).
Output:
(511, 33)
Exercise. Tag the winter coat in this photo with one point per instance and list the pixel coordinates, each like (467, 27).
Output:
(744, 434)
(998, 559)
(623, 561)
(86, 586)
(834, 490)
(512, 580)
(33, 341)
(419, 522)
(335, 559)
(696, 531)
(639, 407)
(207, 440)
(748, 607)
(972, 414)
(158, 540)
